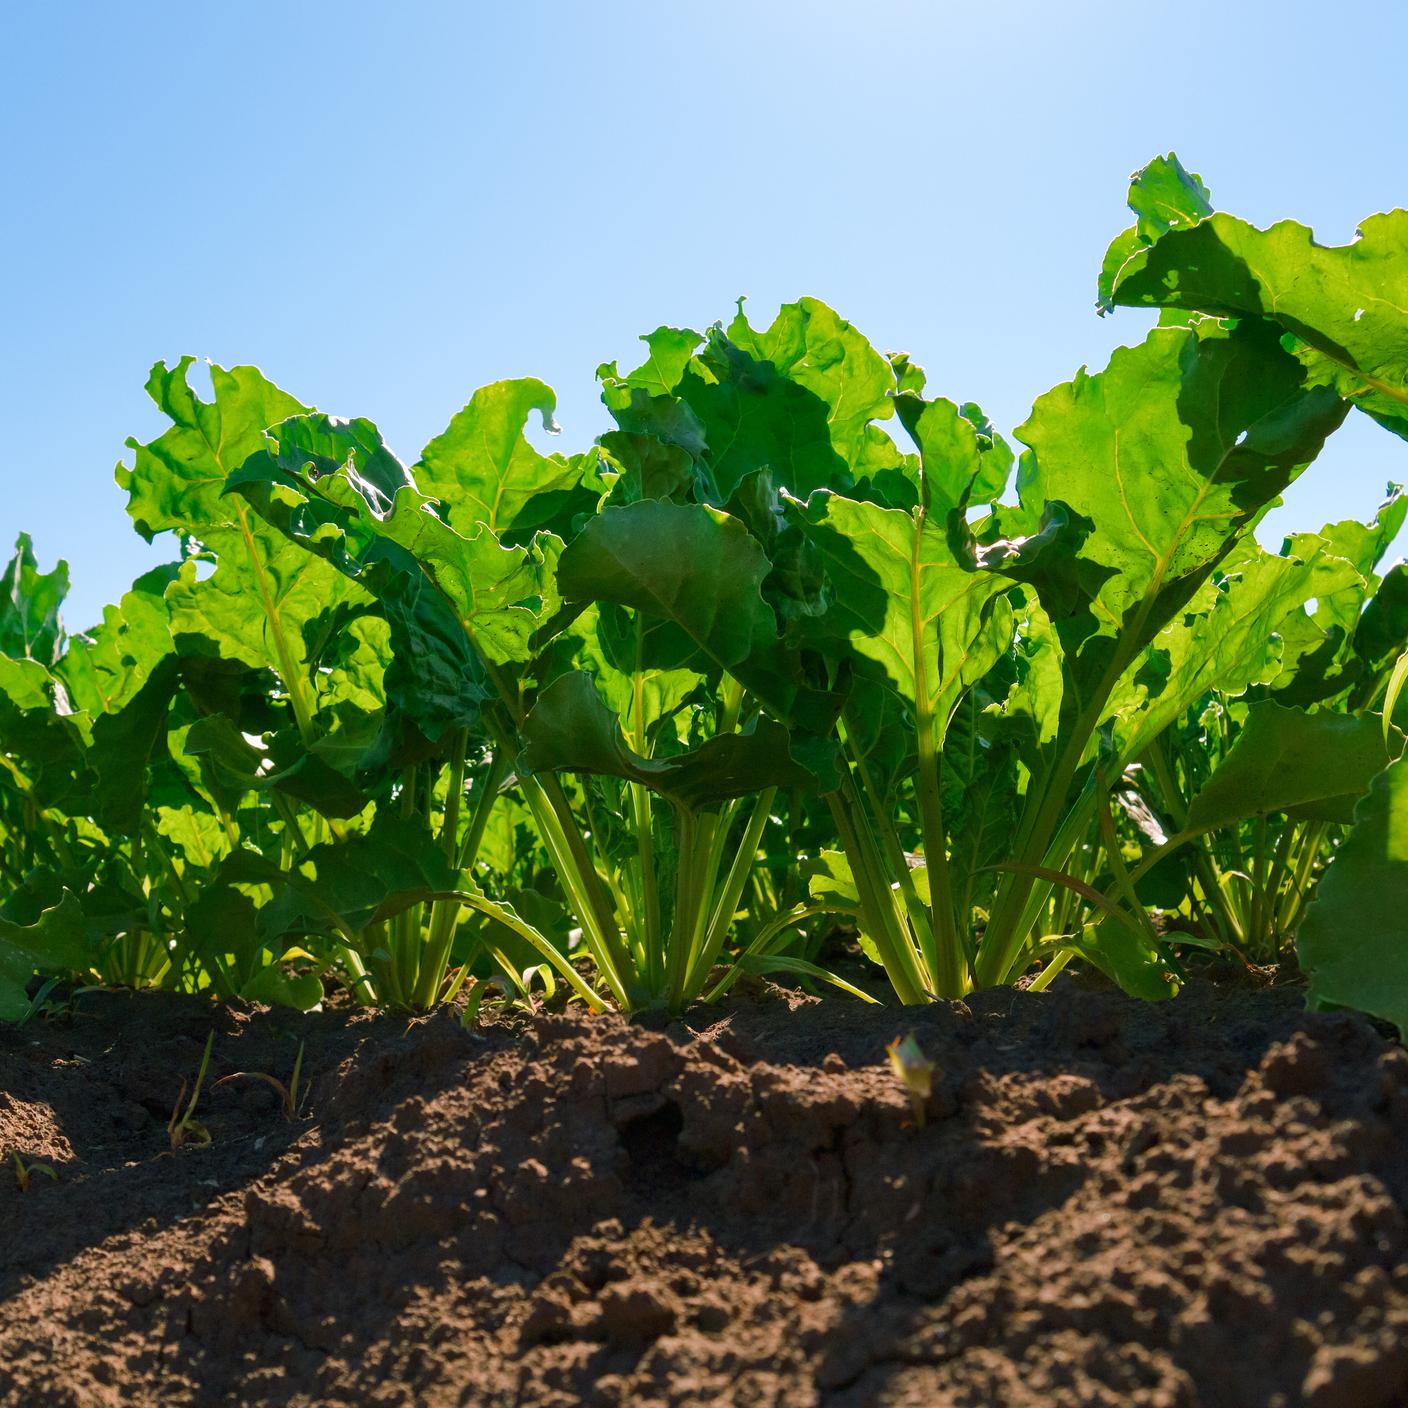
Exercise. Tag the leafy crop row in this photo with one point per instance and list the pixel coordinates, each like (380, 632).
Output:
(634, 722)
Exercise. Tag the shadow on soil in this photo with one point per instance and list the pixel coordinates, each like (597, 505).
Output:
(1107, 1202)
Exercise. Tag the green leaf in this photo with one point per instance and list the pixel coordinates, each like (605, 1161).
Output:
(367, 878)
(1348, 304)
(1165, 197)
(1171, 453)
(834, 883)
(103, 668)
(30, 628)
(485, 471)
(979, 801)
(670, 350)
(497, 593)
(964, 461)
(52, 944)
(683, 563)
(177, 482)
(1382, 632)
(821, 352)
(244, 764)
(647, 468)
(275, 986)
(798, 398)
(636, 662)
(50, 747)
(265, 596)
(1362, 545)
(1228, 638)
(223, 928)
(124, 745)
(1137, 963)
(880, 734)
(696, 568)
(796, 587)
(570, 728)
(907, 610)
(1352, 942)
(327, 508)
(198, 837)
(25, 686)
(1288, 760)
(260, 605)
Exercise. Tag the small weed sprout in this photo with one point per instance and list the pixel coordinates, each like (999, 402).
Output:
(290, 1095)
(185, 1127)
(40, 1004)
(913, 1071)
(24, 1172)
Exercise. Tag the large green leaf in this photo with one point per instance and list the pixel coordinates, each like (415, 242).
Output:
(979, 801)
(798, 398)
(903, 605)
(123, 747)
(103, 668)
(963, 460)
(682, 563)
(265, 595)
(344, 886)
(498, 594)
(93, 761)
(25, 686)
(244, 764)
(223, 928)
(1348, 304)
(818, 351)
(177, 481)
(1362, 545)
(1382, 632)
(198, 837)
(668, 355)
(1228, 638)
(48, 746)
(694, 567)
(1135, 961)
(1288, 760)
(260, 606)
(647, 468)
(1171, 453)
(640, 665)
(1353, 942)
(485, 471)
(1165, 197)
(569, 727)
(52, 944)
(308, 485)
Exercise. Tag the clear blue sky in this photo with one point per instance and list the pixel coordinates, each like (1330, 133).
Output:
(387, 206)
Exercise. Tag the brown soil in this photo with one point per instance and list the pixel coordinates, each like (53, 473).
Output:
(1108, 1204)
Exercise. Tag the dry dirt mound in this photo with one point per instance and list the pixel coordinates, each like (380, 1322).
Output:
(1108, 1204)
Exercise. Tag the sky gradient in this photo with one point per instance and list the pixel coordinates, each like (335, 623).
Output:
(384, 211)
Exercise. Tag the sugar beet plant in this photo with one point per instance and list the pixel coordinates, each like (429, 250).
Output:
(632, 722)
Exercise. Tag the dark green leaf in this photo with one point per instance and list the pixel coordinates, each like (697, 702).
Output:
(1288, 760)
(571, 728)
(1352, 942)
